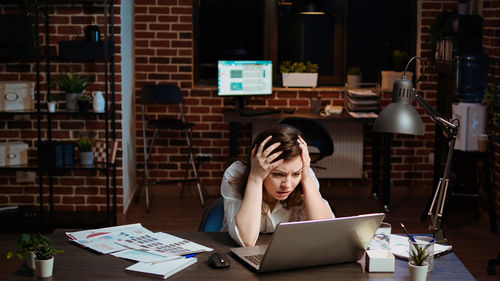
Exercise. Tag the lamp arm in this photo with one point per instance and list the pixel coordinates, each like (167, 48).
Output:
(442, 122)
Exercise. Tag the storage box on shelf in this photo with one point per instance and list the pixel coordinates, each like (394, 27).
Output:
(13, 153)
(17, 95)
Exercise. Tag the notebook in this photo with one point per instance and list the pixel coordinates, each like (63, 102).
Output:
(162, 269)
(312, 243)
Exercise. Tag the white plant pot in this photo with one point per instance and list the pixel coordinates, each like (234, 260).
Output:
(44, 267)
(71, 101)
(30, 259)
(51, 106)
(353, 79)
(418, 273)
(300, 80)
(389, 76)
(87, 158)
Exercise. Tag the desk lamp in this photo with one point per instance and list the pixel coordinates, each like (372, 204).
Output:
(402, 118)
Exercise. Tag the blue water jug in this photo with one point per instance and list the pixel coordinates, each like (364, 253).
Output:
(471, 79)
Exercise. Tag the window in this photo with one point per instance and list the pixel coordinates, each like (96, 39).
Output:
(345, 33)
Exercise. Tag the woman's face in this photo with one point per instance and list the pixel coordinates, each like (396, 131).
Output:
(282, 180)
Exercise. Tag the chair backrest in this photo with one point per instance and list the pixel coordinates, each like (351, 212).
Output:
(166, 94)
(314, 134)
(213, 217)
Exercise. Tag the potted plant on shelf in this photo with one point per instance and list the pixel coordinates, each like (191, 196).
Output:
(85, 148)
(354, 75)
(417, 264)
(25, 247)
(73, 85)
(84, 103)
(399, 60)
(299, 74)
(52, 99)
(44, 257)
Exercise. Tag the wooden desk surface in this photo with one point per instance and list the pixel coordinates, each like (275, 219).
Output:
(77, 263)
(233, 116)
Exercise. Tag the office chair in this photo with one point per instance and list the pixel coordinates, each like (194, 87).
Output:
(315, 135)
(169, 95)
(213, 217)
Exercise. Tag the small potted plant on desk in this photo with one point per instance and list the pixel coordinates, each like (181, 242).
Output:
(354, 75)
(84, 103)
(417, 264)
(73, 85)
(44, 257)
(85, 148)
(25, 247)
(299, 74)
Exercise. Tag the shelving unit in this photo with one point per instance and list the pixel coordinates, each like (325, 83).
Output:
(42, 115)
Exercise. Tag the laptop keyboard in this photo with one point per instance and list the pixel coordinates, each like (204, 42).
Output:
(255, 259)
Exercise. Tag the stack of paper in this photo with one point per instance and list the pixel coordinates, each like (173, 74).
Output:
(163, 269)
(399, 246)
(157, 253)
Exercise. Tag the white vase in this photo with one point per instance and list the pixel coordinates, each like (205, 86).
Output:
(44, 267)
(87, 158)
(300, 79)
(98, 101)
(418, 273)
(353, 79)
(51, 106)
(30, 259)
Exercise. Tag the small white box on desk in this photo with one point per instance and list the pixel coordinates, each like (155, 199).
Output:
(17, 95)
(13, 153)
(379, 261)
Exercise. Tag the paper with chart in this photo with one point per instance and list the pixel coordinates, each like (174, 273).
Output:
(92, 233)
(161, 243)
(399, 246)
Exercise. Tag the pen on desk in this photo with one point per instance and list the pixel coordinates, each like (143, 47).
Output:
(407, 233)
(190, 256)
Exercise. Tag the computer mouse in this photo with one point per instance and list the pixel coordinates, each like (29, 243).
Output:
(219, 260)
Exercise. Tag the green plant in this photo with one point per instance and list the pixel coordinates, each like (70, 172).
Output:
(72, 82)
(440, 27)
(418, 254)
(26, 242)
(52, 97)
(300, 67)
(399, 59)
(354, 70)
(84, 143)
(490, 99)
(44, 250)
(84, 98)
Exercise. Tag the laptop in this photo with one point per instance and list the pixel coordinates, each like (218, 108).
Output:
(312, 243)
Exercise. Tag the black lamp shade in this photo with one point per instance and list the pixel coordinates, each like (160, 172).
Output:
(399, 118)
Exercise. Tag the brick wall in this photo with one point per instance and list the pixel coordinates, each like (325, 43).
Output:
(73, 190)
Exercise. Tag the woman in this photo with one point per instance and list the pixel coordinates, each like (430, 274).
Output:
(275, 185)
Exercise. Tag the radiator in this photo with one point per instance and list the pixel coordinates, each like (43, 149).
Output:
(347, 158)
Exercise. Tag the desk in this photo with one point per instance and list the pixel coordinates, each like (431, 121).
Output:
(77, 263)
(234, 118)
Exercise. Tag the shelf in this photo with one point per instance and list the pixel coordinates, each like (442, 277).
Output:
(27, 167)
(76, 49)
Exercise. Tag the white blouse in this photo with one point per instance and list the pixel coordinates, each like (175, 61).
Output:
(269, 220)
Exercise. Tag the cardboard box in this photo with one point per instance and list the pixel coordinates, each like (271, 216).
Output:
(379, 261)
(13, 153)
(17, 95)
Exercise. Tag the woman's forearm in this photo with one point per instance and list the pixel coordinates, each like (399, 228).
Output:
(249, 214)
(316, 208)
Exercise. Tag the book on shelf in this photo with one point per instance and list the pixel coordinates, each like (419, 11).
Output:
(100, 151)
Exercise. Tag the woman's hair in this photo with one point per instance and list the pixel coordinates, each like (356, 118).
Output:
(287, 136)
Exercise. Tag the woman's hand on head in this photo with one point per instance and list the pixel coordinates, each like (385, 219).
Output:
(262, 159)
(306, 159)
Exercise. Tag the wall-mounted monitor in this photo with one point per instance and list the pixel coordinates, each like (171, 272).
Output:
(245, 77)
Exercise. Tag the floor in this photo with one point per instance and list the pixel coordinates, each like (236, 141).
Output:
(471, 238)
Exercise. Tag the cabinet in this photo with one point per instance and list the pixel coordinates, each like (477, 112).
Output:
(47, 124)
